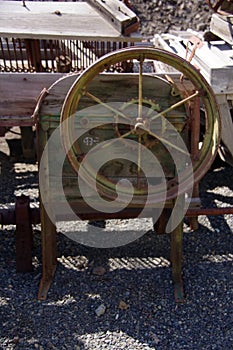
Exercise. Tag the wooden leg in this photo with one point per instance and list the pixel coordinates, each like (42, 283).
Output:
(49, 253)
(161, 224)
(176, 261)
(24, 234)
(195, 201)
(28, 142)
(48, 228)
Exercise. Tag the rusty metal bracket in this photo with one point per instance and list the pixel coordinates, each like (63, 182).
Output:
(196, 42)
(39, 102)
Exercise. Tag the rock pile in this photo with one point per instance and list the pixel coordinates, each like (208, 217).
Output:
(161, 16)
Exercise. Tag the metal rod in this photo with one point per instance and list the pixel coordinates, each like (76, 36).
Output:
(139, 159)
(97, 100)
(209, 211)
(3, 54)
(25, 69)
(139, 118)
(178, 104)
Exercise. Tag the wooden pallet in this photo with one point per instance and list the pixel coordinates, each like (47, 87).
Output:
(214, 59)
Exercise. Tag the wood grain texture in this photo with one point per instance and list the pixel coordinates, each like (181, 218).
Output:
(222, 26)
(19, 93)
(52, 20)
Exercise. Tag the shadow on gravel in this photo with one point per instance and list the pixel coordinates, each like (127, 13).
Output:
(16, 178)
(135, 289)
(132, 283)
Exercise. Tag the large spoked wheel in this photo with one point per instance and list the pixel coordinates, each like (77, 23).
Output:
(140, 128)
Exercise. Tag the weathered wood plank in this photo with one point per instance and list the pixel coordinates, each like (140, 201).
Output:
(226, 119)
(110, 88)
(214, 59)
(52, 20)
(19, 93)
(47, 7)
(222, 26)
(121, 17)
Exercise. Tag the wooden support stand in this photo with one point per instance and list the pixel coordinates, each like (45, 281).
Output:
(49, 253)
(24, 237)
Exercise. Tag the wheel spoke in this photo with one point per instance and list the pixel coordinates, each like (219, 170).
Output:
(139, 159)
(163, 140)
(140, 90)
(106, 105)
(175, 105)
(111, 141)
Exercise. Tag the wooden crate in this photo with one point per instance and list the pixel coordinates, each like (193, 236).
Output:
(214, 59)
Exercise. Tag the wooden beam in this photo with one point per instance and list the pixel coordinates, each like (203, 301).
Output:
(19, 93)
(118, 14)
(56, 20)
(222, 26)
(226, 119)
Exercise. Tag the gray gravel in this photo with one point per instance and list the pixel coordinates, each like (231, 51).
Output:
(132, 283)
(160, 16)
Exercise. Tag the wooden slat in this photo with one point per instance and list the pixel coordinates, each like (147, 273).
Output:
(19, 93)
(117, 13)
(226, 119)
(53, 20)
(222, 26)
(103, 86)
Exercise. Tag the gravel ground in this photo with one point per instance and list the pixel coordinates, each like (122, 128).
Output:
(159, 16)
(131, 285)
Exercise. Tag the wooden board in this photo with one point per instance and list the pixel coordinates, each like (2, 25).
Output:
(226, 119)
(214, 59)
(19, 93)
(121, 17)
(55, 20)
(222, 26)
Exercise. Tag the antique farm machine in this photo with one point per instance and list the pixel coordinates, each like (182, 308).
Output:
(141, 153)
(130, 134)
